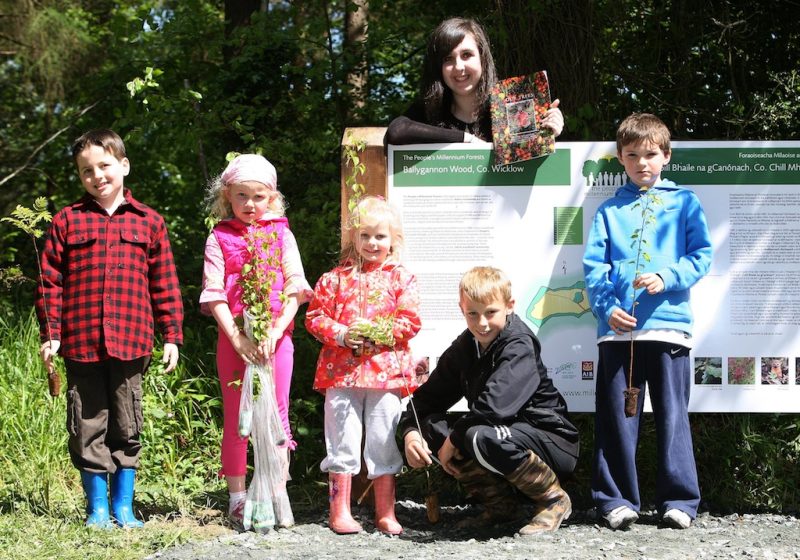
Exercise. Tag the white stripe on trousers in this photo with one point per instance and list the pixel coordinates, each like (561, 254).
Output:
(501, 432)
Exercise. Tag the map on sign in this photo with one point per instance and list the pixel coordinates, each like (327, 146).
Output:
(549, 303)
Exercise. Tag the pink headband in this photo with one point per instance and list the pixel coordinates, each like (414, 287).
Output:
(250, 167)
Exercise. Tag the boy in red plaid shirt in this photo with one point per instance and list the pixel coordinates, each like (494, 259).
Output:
(107, 273)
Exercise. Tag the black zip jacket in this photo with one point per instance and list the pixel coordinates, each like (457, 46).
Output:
(507, 384)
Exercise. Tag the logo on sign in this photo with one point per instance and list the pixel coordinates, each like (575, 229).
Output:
(567, 370)
(587, 371)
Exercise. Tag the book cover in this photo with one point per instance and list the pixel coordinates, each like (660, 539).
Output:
(518, 106)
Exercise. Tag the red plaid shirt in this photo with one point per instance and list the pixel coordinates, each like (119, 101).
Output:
(105, 279)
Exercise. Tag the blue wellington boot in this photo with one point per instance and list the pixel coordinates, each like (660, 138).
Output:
(95, 485)
(122, 483)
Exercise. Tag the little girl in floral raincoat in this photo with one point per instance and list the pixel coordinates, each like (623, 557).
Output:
(365, 311)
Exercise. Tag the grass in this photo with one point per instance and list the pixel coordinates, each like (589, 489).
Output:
(25, 536)
(41, 501)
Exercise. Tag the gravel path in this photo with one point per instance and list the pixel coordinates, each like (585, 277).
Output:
(762, 537)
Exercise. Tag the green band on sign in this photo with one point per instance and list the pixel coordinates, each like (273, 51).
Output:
(734, 166)
(476, 168)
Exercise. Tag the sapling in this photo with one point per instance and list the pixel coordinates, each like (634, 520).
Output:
(267, 502)
(377, 331)
(352, 149)
(648, 199)
(257, 276)
(256, 280)
(28, 220)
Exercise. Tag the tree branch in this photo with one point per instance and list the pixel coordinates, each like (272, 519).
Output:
(11, 39)
(41, 146)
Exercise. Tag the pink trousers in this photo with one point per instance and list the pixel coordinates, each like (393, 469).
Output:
(230, 368)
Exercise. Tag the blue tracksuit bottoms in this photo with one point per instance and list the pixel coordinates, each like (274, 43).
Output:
(667, 371)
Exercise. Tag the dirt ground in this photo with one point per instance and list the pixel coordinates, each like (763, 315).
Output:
(740, 537)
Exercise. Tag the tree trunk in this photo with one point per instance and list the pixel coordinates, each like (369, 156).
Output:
(560, 41)
(355, 47)
(237, 14)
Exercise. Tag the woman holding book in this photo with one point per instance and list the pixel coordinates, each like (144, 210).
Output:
(457, 78)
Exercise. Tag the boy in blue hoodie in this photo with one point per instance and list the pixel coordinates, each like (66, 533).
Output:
(640, 291)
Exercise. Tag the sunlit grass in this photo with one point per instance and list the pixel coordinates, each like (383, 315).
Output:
(26, 536)
(41, 500)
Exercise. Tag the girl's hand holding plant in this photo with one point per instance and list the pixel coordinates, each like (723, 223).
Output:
(374, 332)
(353, 337)
(274, 334)
(250, 352)
(378, 330)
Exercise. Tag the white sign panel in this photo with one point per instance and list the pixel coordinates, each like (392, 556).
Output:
(531, 220)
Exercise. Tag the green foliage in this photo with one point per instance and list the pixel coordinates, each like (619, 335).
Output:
(182, 420)
(28, 536)
(743, 42)
(748, 462)
(33, 453)
(379, 329)
(258, 275)
(41, 501)
(27, 219)
(352, 161)
(776, 109)
(140, 86)
(639, 239)
(11, 276)
(60, 39)
(180, 437)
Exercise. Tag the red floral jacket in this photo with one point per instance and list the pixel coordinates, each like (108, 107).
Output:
(346, 294)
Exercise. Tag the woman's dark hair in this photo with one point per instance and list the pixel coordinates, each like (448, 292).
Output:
(436, 96)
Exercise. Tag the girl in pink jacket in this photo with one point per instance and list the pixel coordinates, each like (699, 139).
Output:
(364, 312)
(245, 196)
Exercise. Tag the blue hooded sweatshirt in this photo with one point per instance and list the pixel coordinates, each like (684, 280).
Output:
(678, 249)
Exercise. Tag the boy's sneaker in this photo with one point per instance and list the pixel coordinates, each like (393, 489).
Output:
(621, 517)
(676, 519)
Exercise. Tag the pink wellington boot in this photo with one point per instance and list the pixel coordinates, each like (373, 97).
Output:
(385, 520)
(341, 520)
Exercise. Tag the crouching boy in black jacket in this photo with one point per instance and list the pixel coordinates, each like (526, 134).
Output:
(516, 428)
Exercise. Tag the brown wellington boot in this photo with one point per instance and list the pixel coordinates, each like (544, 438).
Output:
(538, 481)
(492, 491)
